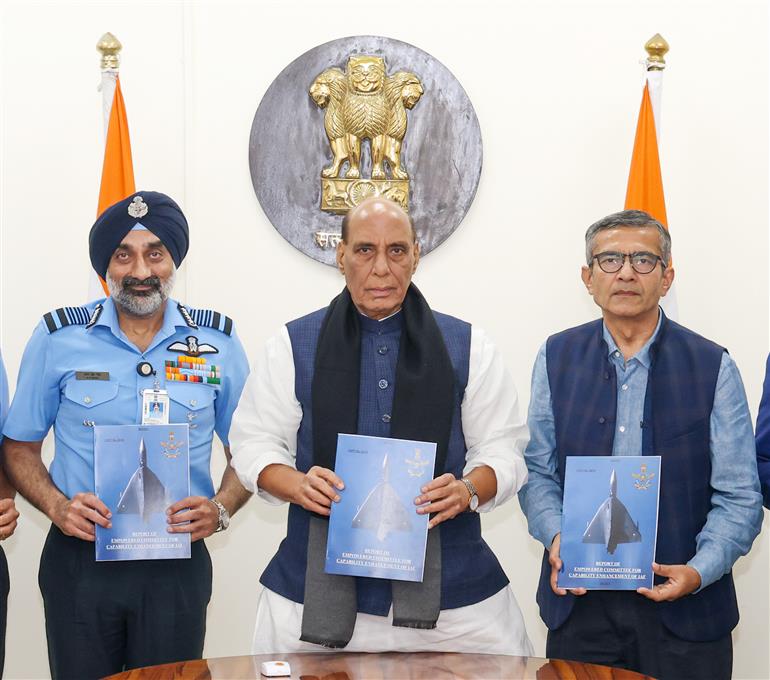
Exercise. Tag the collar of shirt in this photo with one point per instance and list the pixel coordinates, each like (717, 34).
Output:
(171, 320)
(642, 356)
(389, 324)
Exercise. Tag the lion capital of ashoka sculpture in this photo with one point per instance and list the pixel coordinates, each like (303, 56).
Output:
(364, 103)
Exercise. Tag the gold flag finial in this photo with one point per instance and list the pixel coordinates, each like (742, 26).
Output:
(110, 47)
(656, 49)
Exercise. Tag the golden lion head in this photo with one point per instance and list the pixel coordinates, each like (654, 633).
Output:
(366, 74)
(404, 86)
(328, 85)
(411, 94)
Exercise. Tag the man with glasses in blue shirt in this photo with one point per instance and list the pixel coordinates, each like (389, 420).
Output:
(636, 383)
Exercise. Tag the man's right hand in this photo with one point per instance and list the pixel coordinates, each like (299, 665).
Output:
(8, 516)
(556, 565)
(317, 489)
(77, 517)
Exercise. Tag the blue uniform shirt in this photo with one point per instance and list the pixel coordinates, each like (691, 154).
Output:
(53, 386)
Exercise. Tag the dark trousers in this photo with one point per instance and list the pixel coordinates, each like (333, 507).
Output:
(105, 617)
(623, 629)
(5, 585)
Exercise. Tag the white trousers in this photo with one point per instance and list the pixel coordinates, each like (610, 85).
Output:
(492, 626)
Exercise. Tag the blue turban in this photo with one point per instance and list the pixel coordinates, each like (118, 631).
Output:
(150, 210)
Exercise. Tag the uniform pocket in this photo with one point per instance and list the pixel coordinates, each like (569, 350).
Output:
(90, 393)
(192, 403)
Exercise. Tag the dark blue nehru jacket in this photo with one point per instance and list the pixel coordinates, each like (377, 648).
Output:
(677, 413)
(470, 570)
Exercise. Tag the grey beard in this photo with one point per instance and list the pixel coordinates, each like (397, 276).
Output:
(140, 305)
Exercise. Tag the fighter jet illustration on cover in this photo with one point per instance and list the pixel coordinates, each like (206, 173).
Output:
(382, 511)
(612, 523)
(144, 494)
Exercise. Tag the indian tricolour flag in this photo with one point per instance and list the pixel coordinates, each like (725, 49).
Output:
(118, 169)
(645, 183)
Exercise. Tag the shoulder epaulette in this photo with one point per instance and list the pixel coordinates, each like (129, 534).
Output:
(207, 318)
(71, 316)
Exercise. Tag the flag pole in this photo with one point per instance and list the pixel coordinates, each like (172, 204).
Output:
(656, 48)
(109, 47)
(117, 171)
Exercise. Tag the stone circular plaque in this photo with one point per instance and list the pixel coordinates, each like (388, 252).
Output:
(357, 117)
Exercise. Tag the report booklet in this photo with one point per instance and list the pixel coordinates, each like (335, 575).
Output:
(374, 530)
(609, 522)
(140, 470)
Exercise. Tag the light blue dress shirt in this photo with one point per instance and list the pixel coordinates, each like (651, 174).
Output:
(735, 517)
(49, 391)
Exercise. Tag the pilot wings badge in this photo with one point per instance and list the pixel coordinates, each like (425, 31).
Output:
(192, 348)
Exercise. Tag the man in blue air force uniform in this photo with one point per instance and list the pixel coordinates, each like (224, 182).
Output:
(636, 383)
(379, 362)
(87, 366)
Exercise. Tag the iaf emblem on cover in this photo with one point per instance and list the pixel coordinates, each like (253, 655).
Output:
(360, 117)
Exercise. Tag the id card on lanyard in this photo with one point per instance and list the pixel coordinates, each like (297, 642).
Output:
(155, 407)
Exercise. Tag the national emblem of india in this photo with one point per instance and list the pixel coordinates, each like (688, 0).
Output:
(357, 117)
(364, 103)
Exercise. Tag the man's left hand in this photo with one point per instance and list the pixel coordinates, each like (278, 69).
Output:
(445, 495)
(199, 511)
(681, 580)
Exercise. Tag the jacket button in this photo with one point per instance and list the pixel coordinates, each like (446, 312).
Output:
(606, 375)
(87, 400)
(386, 418)
(602, 420)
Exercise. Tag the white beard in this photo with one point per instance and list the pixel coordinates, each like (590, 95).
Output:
(140, 305)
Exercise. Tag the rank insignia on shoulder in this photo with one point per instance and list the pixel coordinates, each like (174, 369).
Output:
(192, 347)
(71, 316)
(186, 316)
(207, 318)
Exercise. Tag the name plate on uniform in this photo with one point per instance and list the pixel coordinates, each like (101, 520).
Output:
(92, 375)
(374, 530)
(140, 470)
(609, 522)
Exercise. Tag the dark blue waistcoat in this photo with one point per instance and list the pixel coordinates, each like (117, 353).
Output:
(470, 571)
(676, 426)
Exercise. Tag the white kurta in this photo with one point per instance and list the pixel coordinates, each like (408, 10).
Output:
(264, 432)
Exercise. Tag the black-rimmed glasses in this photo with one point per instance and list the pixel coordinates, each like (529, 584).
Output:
(611, 262)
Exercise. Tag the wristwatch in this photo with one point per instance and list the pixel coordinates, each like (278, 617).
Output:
(474, 500)
(224, 516)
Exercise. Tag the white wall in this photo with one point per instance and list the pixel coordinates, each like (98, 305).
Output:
(556, 87)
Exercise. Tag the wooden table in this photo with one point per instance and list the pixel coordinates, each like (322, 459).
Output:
(390, 666)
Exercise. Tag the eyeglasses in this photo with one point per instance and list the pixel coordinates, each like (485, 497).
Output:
(642, 263)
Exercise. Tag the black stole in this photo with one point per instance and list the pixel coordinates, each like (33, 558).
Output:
(423, 406)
